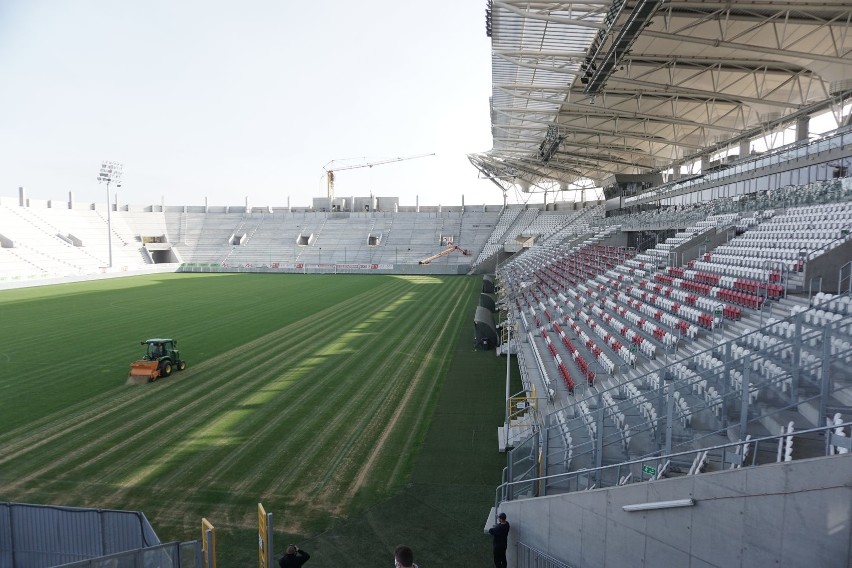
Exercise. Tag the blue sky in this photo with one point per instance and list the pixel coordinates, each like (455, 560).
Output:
(251, 98)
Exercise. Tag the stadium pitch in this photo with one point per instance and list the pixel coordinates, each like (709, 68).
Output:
(313, 394)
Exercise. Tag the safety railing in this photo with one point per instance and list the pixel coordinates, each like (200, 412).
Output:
(529, 557)
(652, 468)
(169, 555)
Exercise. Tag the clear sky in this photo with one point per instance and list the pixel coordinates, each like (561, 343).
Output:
(250, 98)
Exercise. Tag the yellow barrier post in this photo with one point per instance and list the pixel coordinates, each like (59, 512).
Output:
(208, 543)
(264, 537)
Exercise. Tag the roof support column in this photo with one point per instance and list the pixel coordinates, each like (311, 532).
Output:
(802, 128)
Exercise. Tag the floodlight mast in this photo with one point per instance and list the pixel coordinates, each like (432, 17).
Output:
(329, 171)
(110, 173)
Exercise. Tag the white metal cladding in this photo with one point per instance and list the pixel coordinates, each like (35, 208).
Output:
(34, 536)
(5, 535)
(635, 86)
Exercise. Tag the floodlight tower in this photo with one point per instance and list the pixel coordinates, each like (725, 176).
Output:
(110, 173)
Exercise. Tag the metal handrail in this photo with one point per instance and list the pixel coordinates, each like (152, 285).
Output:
(529, 557)
(674, 457)
(830, 244)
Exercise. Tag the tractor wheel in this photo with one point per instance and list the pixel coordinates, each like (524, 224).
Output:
(181, 365)
(165, 369)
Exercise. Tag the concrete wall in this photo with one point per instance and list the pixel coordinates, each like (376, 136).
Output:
(789, 514)
(689, 250)
(828, 266)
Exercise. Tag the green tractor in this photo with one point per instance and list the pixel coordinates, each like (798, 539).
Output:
(160, 359)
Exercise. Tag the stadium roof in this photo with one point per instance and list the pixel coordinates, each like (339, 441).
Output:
(588, 89)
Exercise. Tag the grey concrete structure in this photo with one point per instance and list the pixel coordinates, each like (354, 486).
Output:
(788, 514)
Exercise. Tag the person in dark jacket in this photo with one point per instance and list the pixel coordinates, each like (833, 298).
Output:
(500, 532)
(294, 558)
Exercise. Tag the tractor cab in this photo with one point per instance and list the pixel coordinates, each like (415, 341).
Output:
(159, 348)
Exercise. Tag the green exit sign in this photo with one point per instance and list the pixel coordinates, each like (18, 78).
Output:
(649, 470)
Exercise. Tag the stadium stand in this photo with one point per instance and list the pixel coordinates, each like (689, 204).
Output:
(670, 369)
(41, 242)
(690, 332)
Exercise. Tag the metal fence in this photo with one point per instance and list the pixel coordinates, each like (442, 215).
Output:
(727, 456)
(531, 558)
(39, 536)
(169, 555)
(34, 536)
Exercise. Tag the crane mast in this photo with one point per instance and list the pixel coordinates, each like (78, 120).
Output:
(330, 169)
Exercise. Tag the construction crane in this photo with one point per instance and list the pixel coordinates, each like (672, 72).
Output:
(330, 169)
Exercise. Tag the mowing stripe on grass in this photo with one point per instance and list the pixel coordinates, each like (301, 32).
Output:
(303, 414)
(192, 396)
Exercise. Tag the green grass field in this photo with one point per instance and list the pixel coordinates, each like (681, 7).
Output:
(352, 407)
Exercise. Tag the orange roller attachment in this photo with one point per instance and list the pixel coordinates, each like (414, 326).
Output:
(143, 371)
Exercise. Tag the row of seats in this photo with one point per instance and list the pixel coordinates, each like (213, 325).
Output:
(592, 348)
(640, 401)
(563, 371)
(565, 430)
(835, 303)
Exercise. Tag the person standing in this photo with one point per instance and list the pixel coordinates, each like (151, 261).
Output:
(403, 557)
(500, 532)
(294, 558)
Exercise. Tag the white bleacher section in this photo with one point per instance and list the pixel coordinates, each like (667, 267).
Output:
(61, 242)
(40, 242)
(336, 238)
(628, 330)
(544, 226)
(495, 240)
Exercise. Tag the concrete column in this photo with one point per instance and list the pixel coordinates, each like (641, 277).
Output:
(22, 196)
(70, 200)
(417, 204)
(802, 128)
(705, 163)
(745, 148)
(462, 202)
(206, 207)
(247, 204)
